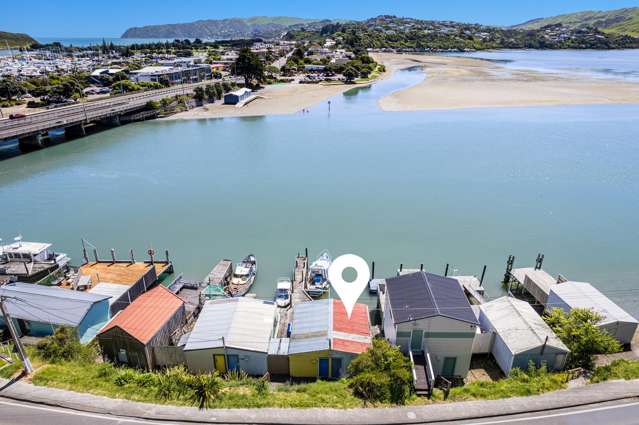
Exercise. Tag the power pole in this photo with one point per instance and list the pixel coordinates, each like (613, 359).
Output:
(9, 321)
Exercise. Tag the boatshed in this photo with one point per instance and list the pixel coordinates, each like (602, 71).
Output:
(38, 310)
(429, 315)
(536, 281)
(237, 96)
(616, 321)
(521, 336)
(231, 334)
(324, 339)
(148, 322)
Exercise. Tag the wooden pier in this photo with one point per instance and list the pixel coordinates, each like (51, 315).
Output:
(298, 295)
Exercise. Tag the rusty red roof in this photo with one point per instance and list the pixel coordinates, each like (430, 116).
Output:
(145, 316)
(350, 335)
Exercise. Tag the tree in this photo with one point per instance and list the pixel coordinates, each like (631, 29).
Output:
(381, 374)
(204, 389)
(198, 94)
(219, 91)
(249, 66)
(578, 330)
(9, 88)
(209, 90)
(350, 73)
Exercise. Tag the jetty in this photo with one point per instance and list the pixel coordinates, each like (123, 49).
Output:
(298, 295)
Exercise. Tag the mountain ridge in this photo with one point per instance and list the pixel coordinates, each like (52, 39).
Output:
(620, 21)
(228, 28)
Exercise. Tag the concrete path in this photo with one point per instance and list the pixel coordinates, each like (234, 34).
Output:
(444, 412)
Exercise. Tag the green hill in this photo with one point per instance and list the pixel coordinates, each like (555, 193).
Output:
(620, 21)
(13, 40)
(218, 29)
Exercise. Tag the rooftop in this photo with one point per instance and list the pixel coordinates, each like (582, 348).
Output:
(48, 304)
(145, 316)
(584, 295)
(422, 295)
(324, 324)
(243, 323)
(539, 277)
(519, 325)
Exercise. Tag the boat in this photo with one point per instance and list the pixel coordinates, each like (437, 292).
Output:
(29, 261)
(243, 277)
(283, 292)
(318, 282)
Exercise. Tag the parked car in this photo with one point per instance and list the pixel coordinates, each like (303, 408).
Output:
(16, 116)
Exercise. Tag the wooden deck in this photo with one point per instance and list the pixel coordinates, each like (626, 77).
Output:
(124, 273)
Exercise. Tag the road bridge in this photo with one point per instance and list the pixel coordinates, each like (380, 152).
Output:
(31, 129)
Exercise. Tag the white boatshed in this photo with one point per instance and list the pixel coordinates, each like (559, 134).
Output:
(231, 334)
(616, 321)
(521, 336)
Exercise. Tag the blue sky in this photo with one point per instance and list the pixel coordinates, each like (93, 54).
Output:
(74, 18)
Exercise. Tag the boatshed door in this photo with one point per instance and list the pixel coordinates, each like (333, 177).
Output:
(323, 367)
(416, 340)
(220, 362)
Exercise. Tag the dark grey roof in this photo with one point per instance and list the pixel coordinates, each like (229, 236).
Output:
(422, 295)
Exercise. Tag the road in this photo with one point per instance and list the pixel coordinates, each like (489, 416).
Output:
(613, 413)
(87, 111)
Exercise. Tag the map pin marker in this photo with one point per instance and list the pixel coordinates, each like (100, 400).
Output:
(349, 292)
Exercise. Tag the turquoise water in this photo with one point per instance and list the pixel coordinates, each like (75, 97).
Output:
(618, 64)
(461, 187)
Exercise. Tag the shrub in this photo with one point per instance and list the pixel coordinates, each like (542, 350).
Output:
(261, 385)
(204, 389)
(578, 330)
(381, 374)
(153, 105)
(238, 376)
(124, 377)
(64, 345)
(619, 369)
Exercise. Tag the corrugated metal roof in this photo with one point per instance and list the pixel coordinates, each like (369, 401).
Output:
(244, 323)
(113, 290)
(519, 325)
(421, 295)
(539, 277)
(48, 304)
(323, 324)
(310, 327)
(278, 346)
(584, 295)
(145, 316)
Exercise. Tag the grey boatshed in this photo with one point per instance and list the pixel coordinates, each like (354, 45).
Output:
(231, 334)
(615, 320)
(521, 336)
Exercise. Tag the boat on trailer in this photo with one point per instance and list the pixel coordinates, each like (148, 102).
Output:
(317, 283)
(243, 277)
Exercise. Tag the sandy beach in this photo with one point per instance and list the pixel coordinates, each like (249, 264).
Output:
(278, 99)
(454, 83)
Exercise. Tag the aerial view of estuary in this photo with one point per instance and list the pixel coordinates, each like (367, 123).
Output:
(464, 187)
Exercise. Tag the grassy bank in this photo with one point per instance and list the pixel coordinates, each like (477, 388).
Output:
(235, 392)
(619, 369)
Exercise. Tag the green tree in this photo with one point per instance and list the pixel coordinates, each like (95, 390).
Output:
(381, 374)
(578, 330)
(219, 91)
(198, 94)
(350, 73)
(210, 93)
(249, 66)
(64, 345)
(10, 88)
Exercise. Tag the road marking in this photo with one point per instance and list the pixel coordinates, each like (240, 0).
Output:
(64, 411)
(556, 415)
